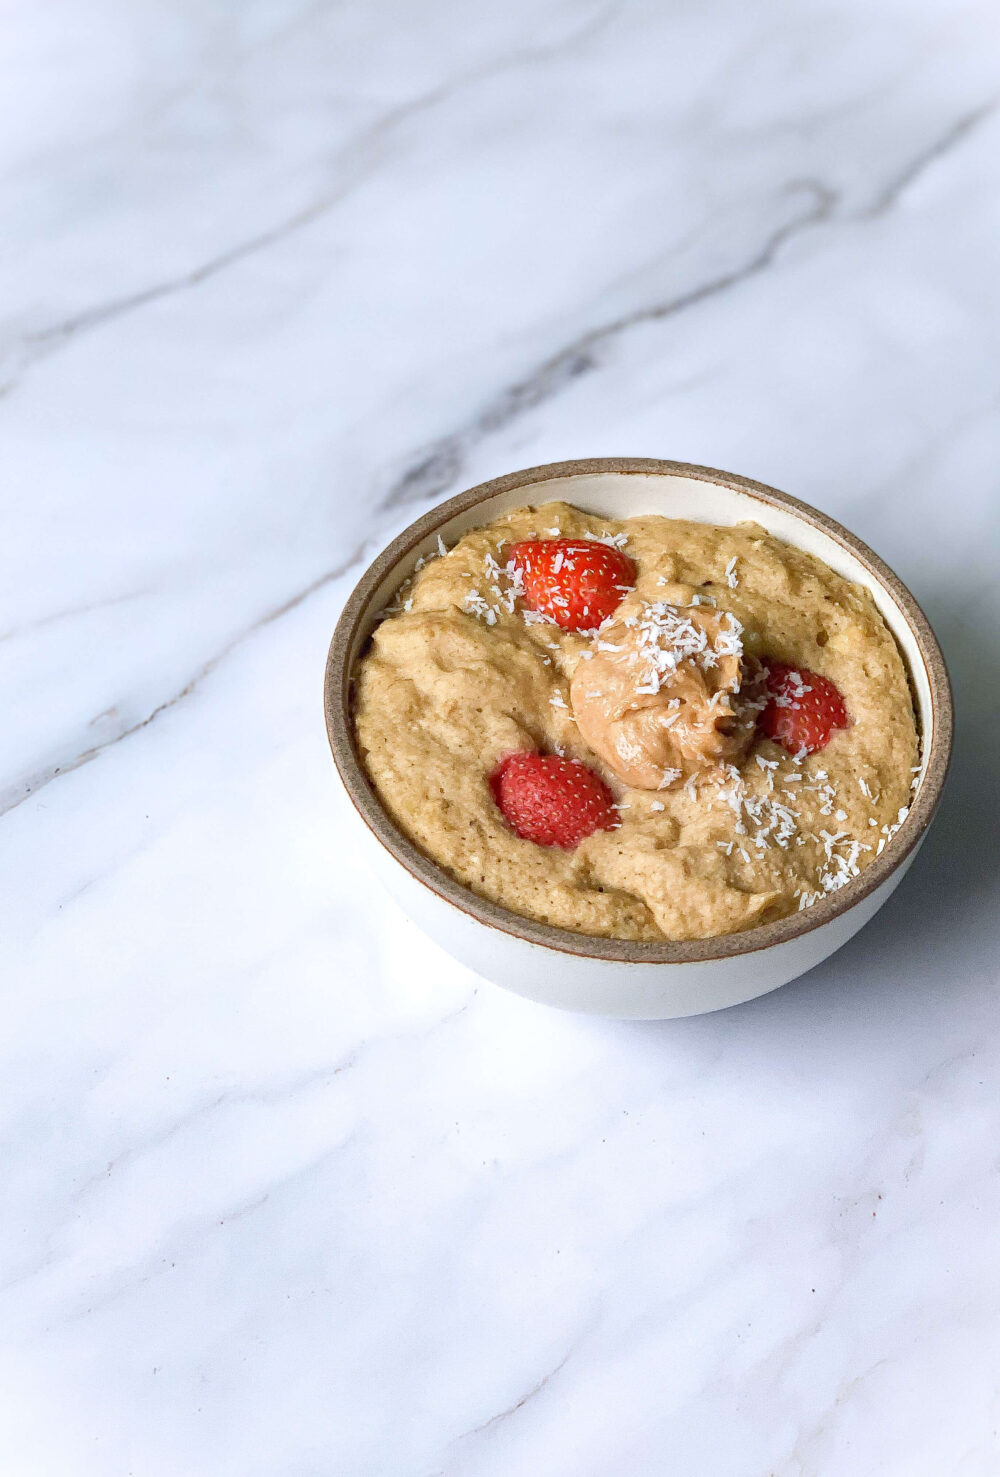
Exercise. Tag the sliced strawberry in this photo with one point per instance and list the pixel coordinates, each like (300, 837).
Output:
(804, 710)
(577, 583)
(550, 800)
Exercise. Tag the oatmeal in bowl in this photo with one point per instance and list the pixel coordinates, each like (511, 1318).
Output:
(745, 708)
(629, 719)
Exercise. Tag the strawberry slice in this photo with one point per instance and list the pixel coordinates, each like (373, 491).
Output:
(577, 583)
(804, 710)
(550, 800)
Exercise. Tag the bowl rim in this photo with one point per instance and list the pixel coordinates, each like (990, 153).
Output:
(340, 730)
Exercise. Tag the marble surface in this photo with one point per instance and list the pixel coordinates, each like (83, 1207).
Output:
(286, 1192)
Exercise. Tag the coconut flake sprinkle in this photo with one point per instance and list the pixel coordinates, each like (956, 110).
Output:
(667, 637)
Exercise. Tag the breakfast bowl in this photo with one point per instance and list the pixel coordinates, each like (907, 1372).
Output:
(635, 978)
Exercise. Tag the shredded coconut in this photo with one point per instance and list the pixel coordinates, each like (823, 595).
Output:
(613, 540)
(668, 637)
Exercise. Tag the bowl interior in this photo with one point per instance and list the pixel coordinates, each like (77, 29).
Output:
(682, 495)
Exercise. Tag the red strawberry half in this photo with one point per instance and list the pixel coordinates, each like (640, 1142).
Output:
(804, 710)
(550, 800)
(577, 583)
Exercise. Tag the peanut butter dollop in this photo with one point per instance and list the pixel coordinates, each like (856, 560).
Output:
(667, 693)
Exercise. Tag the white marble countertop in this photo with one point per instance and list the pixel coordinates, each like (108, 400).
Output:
(286, 1192)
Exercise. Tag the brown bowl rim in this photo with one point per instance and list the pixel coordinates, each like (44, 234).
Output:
(493, 915)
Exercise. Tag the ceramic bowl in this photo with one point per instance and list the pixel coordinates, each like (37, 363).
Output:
(617, 977)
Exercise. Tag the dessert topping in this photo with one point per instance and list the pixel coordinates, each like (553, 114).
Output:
(551, 800)
(669, 693)
(578, 583)
(804, 709)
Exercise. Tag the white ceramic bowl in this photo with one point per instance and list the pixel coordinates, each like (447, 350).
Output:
(617, 977)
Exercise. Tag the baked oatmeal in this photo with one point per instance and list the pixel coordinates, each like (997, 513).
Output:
(712, 729)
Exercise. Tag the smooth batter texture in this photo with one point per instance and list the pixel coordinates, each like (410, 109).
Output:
(459, 675)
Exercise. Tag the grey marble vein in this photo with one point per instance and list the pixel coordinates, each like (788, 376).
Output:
(529, 1395)
(438, 467)
(70, 612)
(938, 149)
(351, 167)
(18, 793)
